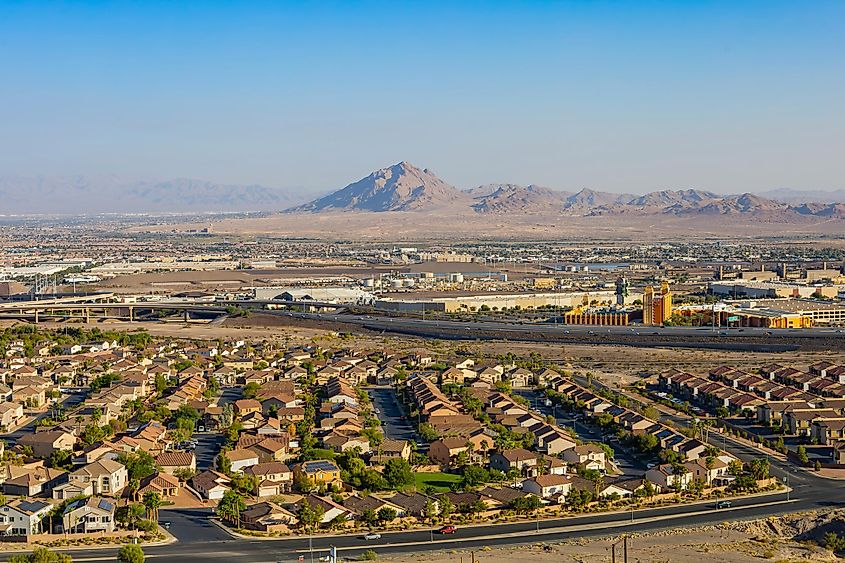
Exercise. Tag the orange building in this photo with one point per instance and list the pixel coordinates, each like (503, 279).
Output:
(657, 308)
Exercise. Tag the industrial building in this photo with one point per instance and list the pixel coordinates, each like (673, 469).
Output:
(497, 301)
(764, 290)
(321, 294)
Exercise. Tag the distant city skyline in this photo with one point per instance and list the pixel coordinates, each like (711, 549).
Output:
(621, 96)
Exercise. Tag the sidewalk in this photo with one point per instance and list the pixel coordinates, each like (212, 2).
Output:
(572, 520)
(168, 539)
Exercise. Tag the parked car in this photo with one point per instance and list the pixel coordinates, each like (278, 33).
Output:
(448, 530)
(372, 536)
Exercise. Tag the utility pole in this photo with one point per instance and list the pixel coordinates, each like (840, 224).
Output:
(786, 482)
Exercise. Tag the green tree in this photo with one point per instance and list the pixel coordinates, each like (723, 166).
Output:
(309, 516)
(41, 555)
(526, 504)
(131, 553)
(398, 473)
(802, 455)
(427, 432)
(230, 507)
(139, 464)
(251, 390)
(61, 459)
(386, 514)
(429, 511)
(369, 516)
(446, 507)
(473, 476)
(760, 468)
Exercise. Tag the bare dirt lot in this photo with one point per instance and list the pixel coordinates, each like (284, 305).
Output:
(396, 226)
(789, 538)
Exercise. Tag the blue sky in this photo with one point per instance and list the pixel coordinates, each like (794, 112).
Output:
(622, 96)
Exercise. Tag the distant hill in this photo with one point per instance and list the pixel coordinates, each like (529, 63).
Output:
(668, 198)
(111, 194)
(585, 201)
(511, 198)
(787, 195)
(738, 204)
(401, 187)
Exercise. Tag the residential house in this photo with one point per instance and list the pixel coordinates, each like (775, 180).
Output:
(586, 456)
(666, 478)
(43, 444)
(274, 478)
(516, 459)
(211, 485)
(331, 509)
(32, 480)
(267, 517)
(164, 484)
(241, 459)
(104, 477)
(547, 486)
(23, 517)
(89, 515)
(176, 461)
(10, 415)
(445, 450)
(319, 472)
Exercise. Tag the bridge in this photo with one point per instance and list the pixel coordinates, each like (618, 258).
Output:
(102, 306)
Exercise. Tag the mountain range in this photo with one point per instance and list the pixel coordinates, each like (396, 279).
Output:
(400, 187)
(111, 194)
(404, 187)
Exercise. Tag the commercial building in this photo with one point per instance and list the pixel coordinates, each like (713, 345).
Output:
(657, 308)
(789, 313)
(497, 301)
(764, 290)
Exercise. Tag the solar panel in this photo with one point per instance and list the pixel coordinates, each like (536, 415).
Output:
(105, 505)
(321, 465)
(32, 506)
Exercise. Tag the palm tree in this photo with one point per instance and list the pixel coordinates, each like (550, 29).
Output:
(152, 502)
(134, 485)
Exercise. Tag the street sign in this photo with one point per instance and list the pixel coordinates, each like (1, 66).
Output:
(733, 319)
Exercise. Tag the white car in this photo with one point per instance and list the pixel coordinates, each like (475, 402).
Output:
(372, 536)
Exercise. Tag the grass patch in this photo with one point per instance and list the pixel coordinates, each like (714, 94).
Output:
(439, 481)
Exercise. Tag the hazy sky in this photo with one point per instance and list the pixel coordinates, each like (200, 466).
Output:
(622, 96)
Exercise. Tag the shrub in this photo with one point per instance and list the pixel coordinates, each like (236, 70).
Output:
(130, 553)
(368, 555)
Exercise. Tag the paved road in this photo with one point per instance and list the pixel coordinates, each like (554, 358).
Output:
(630, 464)
(214, 545)
(752, 339)
(68, 403)
(208, 446)
(390, 414)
